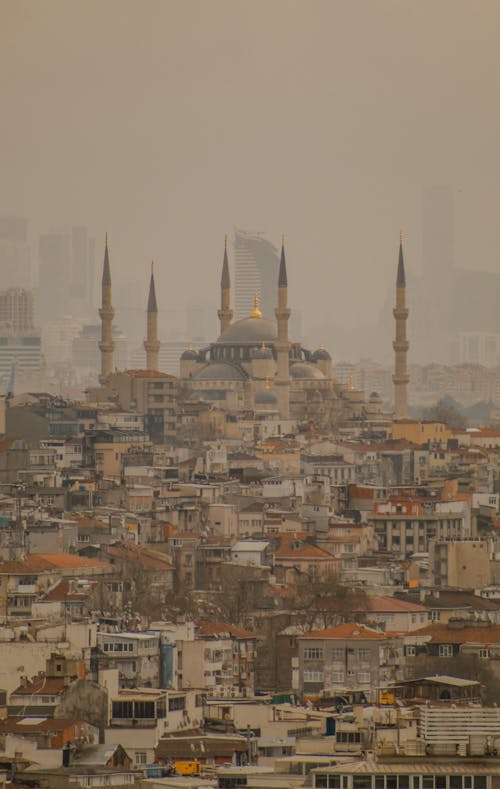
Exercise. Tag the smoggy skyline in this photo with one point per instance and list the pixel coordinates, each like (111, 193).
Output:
(166, 124)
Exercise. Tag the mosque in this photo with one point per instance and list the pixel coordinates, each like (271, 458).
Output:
(254, 366)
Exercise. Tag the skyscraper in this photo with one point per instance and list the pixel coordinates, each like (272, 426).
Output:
(256, 264)
(14, 252)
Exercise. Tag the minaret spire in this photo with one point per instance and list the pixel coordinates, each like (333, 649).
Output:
(106, 314)
(225, 313)
(282, 345)
(400, 344)
(152, 343)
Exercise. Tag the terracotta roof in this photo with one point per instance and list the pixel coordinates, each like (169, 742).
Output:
(208, 746)
(471, 634)
(307, 550)
(346, 631)
(44, 562)
(41, 686)
(27, 726)
(62, 593)
(209, 628)
(148, 558)
(378, 604)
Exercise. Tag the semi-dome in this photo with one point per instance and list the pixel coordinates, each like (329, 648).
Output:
(375, 397)
(305, 370)
(263, 352)
(265, 397)
(220, 371)
(321, 355)
(249, 330)
(189, 355)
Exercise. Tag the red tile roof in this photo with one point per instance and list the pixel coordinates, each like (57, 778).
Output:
(62, 593)
(378, 604)
(14, 725)
(286, 549)
(44, 562)
(41, 686)
(146, 557)
(346, 631)
(209, 628)
(470, 634)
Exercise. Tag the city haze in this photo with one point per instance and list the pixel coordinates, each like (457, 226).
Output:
(166, 124)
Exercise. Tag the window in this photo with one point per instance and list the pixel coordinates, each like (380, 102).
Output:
(313, 676)
(122, 709)
(446, 650)
(364, 677)
(337, 676)
(364, 654)
(338, 654)
(313, 653)
(177, 703)
(324, 781)
(484, 653)
(410, 650)
(350, 737)
(140, 757)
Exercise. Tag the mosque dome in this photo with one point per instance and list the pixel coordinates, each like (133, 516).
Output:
(249, 330)
(264, 352)
(321, 355)
(305, 370)
(265, 397)
(220, 371)
(189, 355)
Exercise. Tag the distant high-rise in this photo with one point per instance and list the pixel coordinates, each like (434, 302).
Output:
(54, 274)
(65, 274)
(82, 267)
(438, 233)
(15, 262)
(20, 342)
(256, 265)
(17, 314)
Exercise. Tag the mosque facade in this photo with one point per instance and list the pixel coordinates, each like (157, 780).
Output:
(255, 370)
(255, 366)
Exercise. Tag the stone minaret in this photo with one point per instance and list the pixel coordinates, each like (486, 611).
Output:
(106, 313)
(282, 345)
(152, 343)
(400, 344)
(225, 314)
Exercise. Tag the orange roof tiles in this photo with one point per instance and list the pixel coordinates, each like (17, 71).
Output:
(346, 631)
(146, 557)
(378, 604)
(44, 562)
(471, 634)
(293, 547)
(209, 628)
(41, 686)
(62, 593)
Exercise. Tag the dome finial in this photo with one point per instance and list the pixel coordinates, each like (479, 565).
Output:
(267, 385)
(350, 384)
(256, 313)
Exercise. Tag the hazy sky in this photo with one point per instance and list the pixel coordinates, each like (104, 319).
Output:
(167, 122)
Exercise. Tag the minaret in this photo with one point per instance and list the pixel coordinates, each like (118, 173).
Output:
(282, 345)
(400, 344)
(225, 314)
(152, 343)
(106, 313)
